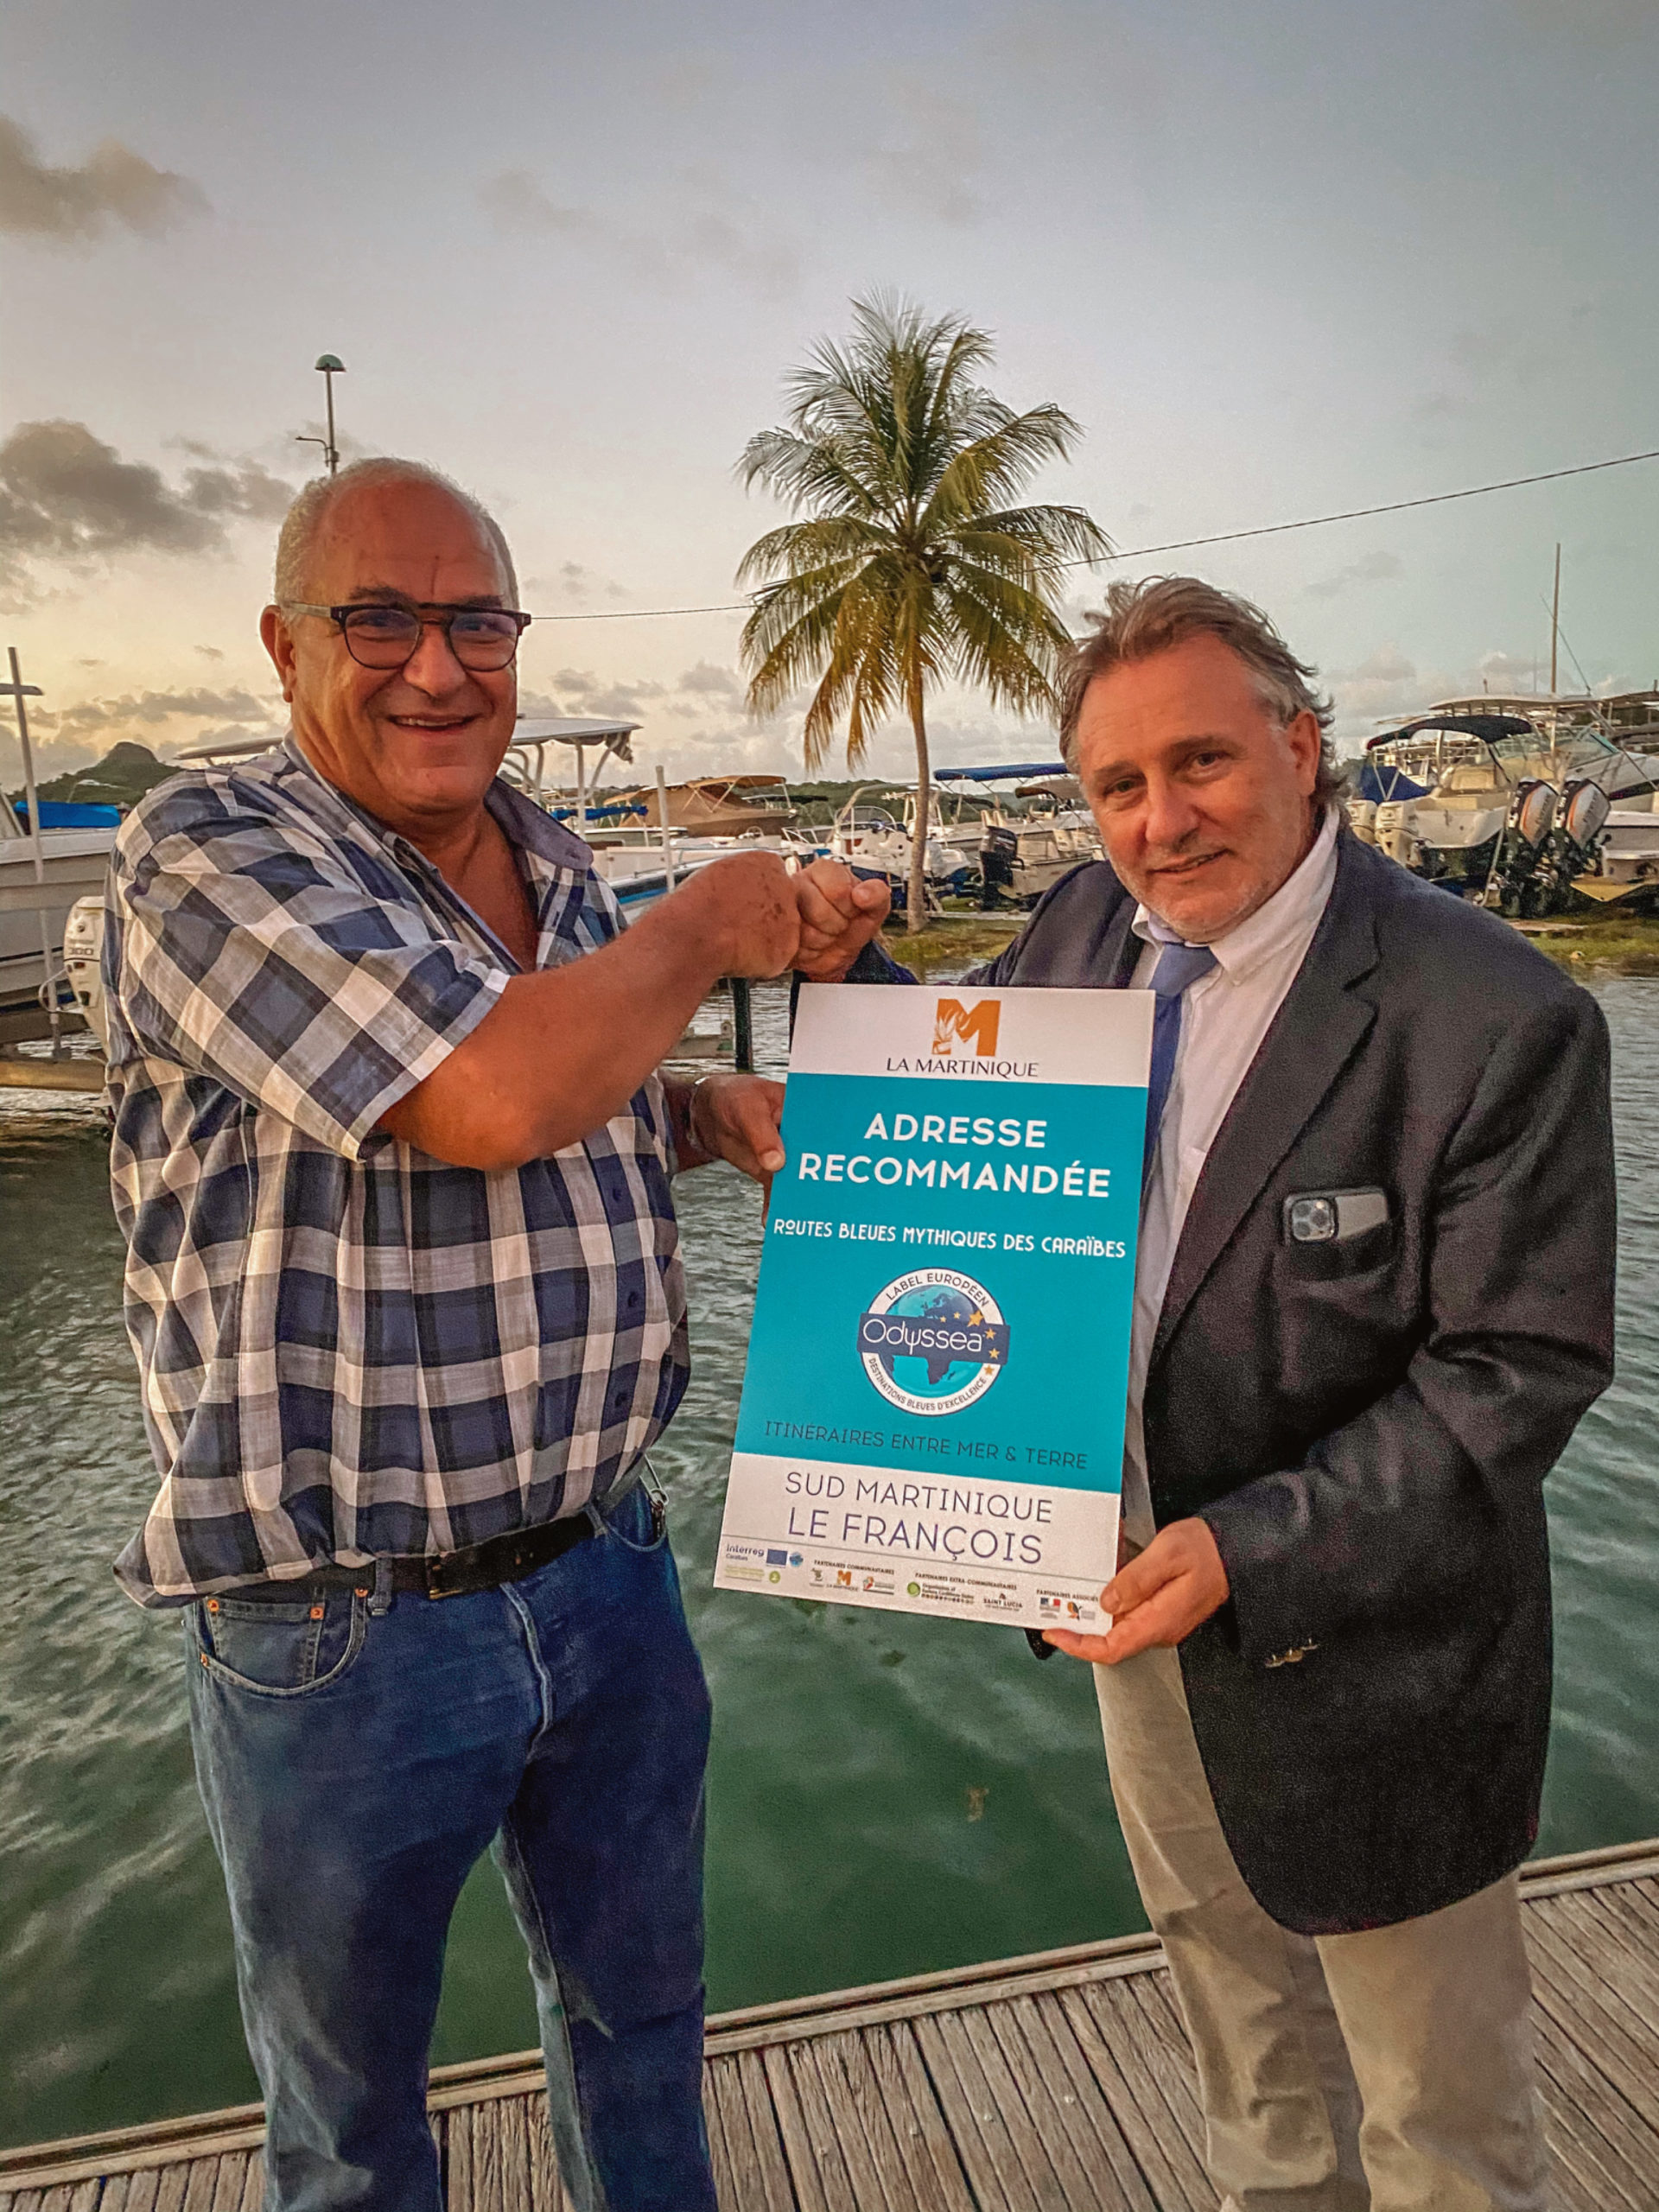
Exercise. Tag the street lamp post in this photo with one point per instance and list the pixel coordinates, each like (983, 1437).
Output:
(330, 367)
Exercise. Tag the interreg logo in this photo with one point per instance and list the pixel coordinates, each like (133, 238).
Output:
(955, 1024)
(934, 1342)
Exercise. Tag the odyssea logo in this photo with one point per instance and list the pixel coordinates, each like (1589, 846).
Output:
(934, 1342)
(955, 1024)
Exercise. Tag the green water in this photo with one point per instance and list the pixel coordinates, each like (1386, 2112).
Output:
(887, 1795)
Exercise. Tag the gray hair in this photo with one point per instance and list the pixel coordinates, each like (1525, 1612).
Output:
(1139, 620)
(305, 518)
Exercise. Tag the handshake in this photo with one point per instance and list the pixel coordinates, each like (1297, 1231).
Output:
(757, 919)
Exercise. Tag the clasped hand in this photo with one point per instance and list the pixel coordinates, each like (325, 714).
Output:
(737, 1117)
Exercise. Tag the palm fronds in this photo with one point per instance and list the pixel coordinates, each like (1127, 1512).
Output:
(908, 567)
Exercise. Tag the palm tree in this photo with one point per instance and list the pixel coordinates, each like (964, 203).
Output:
(909, 568)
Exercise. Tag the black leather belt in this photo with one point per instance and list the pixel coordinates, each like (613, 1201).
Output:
(441, 1575)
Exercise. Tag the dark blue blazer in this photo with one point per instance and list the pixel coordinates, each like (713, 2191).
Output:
(1366, 1423)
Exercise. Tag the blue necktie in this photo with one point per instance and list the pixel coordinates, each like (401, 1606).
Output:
(1178, 967)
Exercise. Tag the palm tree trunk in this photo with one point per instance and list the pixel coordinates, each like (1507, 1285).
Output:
(916, 893)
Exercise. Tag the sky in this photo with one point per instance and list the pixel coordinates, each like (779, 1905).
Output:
(1277, 260)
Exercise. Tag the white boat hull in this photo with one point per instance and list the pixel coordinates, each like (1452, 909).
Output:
(74, 862)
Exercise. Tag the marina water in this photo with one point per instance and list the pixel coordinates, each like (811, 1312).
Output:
(887, 1795)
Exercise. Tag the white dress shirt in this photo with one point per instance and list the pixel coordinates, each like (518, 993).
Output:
(1225, 1016)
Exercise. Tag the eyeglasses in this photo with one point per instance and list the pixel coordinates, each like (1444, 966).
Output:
(386, 636)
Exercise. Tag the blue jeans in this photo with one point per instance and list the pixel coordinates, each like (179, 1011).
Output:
(355, 1763)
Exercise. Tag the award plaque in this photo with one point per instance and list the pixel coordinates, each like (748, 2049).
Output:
(932, 1412)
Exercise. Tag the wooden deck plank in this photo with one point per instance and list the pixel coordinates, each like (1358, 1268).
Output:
(1144, 2071)
(1600, 2026)
(253, 2183)
(513, 2126)
(1590, 2128)
(1089, 2099)
(546, 2189)
(906, 2114)
(973, 2132)
(227, 2183)
(937, 2180)
(874, 2170)
(486, 2158)
(719, 2159)
(1122, 2088)
(760, 2172)
(1043, 2185)
(458, 2159)
(1637, 1918)
(823, 2139)
(170, 2186)
(1046, 2094)
(1168, 2053)
(201, 2179)
(791, 2126)
(1621, 1961)
(776, 2194)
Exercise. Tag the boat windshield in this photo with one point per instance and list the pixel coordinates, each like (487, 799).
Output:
(1578, 752)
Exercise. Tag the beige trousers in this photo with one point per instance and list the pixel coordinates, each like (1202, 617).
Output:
(1387, 2071)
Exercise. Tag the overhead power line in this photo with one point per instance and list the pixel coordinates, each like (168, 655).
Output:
(1190, 544)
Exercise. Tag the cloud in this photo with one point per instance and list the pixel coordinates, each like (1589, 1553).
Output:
(1383, 686)
(928, 160)
(210, 653)
(1370, 568)
(708, 682)
(709, 237)
(65, 495)
(578, 691)
(520, 206)
(146, 709)
(572, 581)
(1386, 686)
(113, 185)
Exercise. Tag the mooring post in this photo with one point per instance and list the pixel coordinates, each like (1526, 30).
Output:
(742, 1025)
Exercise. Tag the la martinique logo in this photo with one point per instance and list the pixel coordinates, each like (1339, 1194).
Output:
(932, 1342)
(955, 1024)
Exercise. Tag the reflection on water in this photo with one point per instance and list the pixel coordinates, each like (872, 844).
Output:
(887, 1795)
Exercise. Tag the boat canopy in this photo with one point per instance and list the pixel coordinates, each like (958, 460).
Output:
(1381, 783)
(1485, 729)
(1000, 775)
(581, 730)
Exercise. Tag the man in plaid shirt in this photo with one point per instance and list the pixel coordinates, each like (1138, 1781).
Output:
(393, 1163)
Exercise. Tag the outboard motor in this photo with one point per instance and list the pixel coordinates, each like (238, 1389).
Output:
(997, 850)
(83, 957)
(1583, 812)
(1532, 811)
(1523, 877)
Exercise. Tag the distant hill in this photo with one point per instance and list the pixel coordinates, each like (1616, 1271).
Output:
(125, 773)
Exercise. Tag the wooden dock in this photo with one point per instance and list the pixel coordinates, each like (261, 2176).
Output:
(1056, 2083)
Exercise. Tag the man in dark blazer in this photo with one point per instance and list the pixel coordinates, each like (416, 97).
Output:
(1373, 1296)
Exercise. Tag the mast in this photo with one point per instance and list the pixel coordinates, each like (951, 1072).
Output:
(1555, 620)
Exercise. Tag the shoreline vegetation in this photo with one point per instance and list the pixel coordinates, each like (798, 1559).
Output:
(1587, 945)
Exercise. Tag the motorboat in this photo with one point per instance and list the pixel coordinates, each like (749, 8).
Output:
(1512, 810)
(1023, 848)
(711, 806)
(41, 878)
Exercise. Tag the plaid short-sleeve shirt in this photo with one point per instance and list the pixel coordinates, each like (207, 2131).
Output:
(348, 1348)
